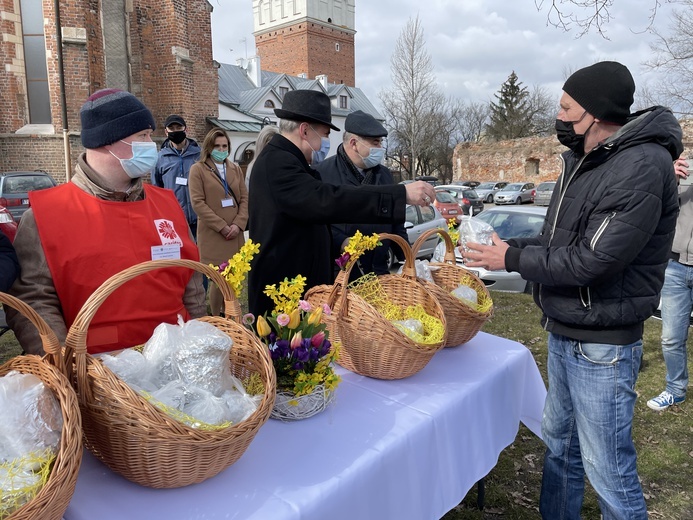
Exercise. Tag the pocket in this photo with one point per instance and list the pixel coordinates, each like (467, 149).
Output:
(599, 353)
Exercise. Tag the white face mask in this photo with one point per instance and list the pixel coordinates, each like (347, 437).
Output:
(143, 160)
(319, 155)
(374, 158)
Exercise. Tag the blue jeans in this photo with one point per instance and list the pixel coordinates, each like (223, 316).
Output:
(677, 300)
(587, 426)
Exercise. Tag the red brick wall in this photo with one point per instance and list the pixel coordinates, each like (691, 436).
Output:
(45, 152)
(307, 47)
(12, 83)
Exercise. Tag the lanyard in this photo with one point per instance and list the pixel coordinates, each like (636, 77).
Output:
(222, 178)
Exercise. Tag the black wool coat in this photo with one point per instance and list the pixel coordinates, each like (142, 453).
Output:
(291, 210)
(9, 265)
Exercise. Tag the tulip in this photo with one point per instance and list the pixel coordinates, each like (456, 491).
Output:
(263, 328)
(296, 340)
(304, 305)
(317, 340)
(326, 309)
(294, 319)
(315, 316)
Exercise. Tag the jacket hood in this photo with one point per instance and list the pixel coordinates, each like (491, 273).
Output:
(653, 125)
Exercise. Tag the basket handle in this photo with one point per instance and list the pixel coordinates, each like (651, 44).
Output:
(449, 246)
(76, 341)
(409, 269)
(49, 341)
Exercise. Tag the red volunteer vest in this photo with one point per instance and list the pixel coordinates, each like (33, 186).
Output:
(86, 240)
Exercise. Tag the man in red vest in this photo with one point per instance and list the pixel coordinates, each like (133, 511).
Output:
(77, 235)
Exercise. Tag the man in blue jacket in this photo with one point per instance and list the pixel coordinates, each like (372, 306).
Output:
(358, 162)
(598, 269)
(9, 265)
(178, 153)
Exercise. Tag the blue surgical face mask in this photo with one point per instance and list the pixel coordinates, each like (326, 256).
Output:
(143, 160)
(374, 158)
(319, 155)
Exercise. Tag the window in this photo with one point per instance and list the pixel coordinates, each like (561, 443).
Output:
(343, 102)
(411, 216)
(283, 91)
(427, 213)
(336, 46)
(35, 62)
(269, 104)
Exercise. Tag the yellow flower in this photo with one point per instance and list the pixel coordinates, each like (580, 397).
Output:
(263, 328)
(296, 340)
(315, 316)
(294, 319)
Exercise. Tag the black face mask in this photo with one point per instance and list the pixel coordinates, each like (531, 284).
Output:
(177, 137)
(565, 132)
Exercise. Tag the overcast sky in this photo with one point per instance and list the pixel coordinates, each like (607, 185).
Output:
(474, 44)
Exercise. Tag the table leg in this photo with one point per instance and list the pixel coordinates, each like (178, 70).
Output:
(481, 494)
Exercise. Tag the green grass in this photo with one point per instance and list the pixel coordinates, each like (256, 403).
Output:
(663, 440)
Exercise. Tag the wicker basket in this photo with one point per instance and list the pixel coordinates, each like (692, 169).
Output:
(53, 498)
(371, 345)
(137, 440)
(463, 321)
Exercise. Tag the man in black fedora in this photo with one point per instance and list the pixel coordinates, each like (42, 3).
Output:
(291, 208)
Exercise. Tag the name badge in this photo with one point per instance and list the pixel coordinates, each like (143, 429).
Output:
(227, 203)
(182, 181)
(167, 252)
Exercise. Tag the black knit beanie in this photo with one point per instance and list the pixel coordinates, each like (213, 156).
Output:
(604, 89)
(110, 115)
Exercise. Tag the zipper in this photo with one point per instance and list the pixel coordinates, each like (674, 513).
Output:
(585, 298)
(600, 231)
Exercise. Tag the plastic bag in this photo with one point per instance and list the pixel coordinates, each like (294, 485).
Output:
(467, 295)
(474, 230)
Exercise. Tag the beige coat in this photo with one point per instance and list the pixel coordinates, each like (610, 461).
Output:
(206, 193)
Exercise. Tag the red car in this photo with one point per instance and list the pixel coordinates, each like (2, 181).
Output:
(448, 205)
(7, 224)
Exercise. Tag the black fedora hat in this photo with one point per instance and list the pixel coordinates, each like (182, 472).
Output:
(311, 106)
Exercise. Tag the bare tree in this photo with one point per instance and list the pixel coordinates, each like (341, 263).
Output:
(472, 121)
(586, 14)
(414, 99)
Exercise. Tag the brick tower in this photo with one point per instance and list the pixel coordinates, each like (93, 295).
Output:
(306, 37)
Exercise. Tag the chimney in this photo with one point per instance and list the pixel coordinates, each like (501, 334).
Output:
(254, 71)
(322, 78)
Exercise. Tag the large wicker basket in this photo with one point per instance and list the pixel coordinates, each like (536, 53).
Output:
(53, 498)
(463, 321)
(137, 440)
(371, 345)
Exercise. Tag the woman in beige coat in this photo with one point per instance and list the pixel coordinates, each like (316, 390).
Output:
(220, 199)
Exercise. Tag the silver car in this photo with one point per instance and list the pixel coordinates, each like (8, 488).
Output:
(487, 190)
(419, 219)
(542, 195)
(515, 193)
(511, 222)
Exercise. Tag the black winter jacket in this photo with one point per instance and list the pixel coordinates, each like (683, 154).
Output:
(9, 265)
(599, 263)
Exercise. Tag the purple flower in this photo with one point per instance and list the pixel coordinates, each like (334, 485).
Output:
(343, 260)
(325, 348)
(298, 366)
(223, 266)
(301, 353)
(283, 348)
(304, 305)
(326, 309)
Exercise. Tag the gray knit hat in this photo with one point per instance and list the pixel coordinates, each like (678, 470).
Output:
(110, 115)
(604, 89)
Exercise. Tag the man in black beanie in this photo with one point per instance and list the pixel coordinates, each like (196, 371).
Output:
(597, 269)
(76, 235)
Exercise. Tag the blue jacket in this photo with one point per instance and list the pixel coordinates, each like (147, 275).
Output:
(172, 165)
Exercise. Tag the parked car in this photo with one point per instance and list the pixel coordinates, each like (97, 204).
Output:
(512, 222)
(469, 184)
(466, 197)
(448, 205)
(487, 190)
(419, 219)
(515, 193)
(543, 193)
(7, 224)
(15, 188)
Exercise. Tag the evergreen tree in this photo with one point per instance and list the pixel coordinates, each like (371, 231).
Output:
(511, 114)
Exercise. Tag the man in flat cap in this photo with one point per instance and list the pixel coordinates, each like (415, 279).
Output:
(291, 208)
(598, 268)
(356, 163)
(77, 235)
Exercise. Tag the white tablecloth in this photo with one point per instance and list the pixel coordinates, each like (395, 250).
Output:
(406, 449)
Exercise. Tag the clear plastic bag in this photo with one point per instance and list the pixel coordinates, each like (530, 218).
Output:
(467, 295)
(474, 230)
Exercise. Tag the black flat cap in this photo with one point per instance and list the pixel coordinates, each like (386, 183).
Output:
(363, 124)
(174, 118)
(310, 106)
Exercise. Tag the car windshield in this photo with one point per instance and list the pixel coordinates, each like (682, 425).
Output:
(513, 225)
(470, 194)
(513, 187)
(445, 197)
(546, 186)
(485, 186)
(26, 183)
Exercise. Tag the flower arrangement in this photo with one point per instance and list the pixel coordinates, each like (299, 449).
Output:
(453, 231)
(358, 244)
(297, 339)
(238, 266)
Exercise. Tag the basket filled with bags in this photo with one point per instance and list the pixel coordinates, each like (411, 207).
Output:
(389, 327)
(41, 431)
(151, 440)
(464, 298)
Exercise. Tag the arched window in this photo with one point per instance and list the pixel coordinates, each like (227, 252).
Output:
(269, 104)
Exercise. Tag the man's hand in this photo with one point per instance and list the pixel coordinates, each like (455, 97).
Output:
(420, 193)
(491, 258)
(681, 168)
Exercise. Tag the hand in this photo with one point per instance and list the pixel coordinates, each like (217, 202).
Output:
(225, 232)
(420, 193)
(681, 168)
(491, 258)
(234, 232)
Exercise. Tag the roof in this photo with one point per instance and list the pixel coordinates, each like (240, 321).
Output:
(236, 126)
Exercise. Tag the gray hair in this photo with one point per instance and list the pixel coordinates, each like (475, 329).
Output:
(264, 137)
(286, 126)
(347, 136)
